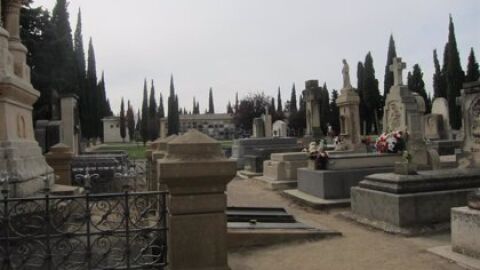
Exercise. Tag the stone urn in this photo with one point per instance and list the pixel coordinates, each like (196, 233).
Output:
(474, 200)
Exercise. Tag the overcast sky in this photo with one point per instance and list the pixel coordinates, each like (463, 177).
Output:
(260, 45)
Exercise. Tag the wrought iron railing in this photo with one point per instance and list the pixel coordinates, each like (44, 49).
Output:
(89, 231)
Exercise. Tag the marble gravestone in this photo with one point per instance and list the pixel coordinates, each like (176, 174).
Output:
(258, 128)
(20, 154)
(312, 94)
(404, 111)
(470, 103)
(279, 129)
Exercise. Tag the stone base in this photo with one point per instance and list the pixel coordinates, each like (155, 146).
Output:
(460, 259)
(333, 184)
(466, 231)
(24, 160)
(406, 214)
(314, 202)
(273, 184)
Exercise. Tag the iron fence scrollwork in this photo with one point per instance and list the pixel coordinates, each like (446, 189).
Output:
(89, 231)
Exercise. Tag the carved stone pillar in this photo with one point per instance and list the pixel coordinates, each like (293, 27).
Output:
(18, 50)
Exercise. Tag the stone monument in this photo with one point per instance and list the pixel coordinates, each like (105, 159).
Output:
(404, 111)
(280, 172)
(267, 121)
(348, 103)
(258, 128)
(312, 94)
(414, 204)
(70, 127)
(20, 154)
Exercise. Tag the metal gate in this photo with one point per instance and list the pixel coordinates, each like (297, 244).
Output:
(89, 231)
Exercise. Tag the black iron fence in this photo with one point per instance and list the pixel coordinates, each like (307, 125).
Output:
(90, 231)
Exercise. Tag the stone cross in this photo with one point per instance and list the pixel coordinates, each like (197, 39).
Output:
(397, 68)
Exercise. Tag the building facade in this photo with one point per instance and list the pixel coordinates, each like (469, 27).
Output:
(111, 130)
(218, 126)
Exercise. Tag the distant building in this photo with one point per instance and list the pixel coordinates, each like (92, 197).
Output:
(111, 130)
(218, 126)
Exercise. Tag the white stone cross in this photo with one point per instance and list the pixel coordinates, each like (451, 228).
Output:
(397, 68)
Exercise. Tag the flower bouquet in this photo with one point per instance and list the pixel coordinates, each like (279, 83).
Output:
(392, 142)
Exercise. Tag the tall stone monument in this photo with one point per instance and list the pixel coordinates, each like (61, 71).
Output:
(404, 111)
(20, 154)
(312, 94)
(470, 102)
(348, 104)
(70, 127)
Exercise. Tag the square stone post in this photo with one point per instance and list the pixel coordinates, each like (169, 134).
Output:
(60, 159)
(196, 173)
(70, 123)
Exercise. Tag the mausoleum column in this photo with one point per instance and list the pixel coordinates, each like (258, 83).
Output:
(196, 174)
(19, 51)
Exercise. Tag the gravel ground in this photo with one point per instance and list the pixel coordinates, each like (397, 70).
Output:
(360, 248)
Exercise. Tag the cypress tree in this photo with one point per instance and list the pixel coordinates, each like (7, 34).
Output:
(236, 102)
(392, 53)
(79, 51)
(123, 130)
(454, 77)
(229, 108)
(63, 67)
(334, 116)
(161, 109)
(173, 115)
(153, 125)
(279, 102)
(324, 108)
(144, 123)
(473, 73)
(211, 108)
(293, 100)
(138, 124)
(416, 84)
(372, 96)
(271, 108)
(361, 94)
(130, 122)
(439, 84)
(92, 93)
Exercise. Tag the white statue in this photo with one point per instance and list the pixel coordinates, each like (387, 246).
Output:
(346, 75)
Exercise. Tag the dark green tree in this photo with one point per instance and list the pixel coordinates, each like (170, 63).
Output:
(334, 116)
(154, 122)
(249, 108)
(173, 114)
(130, 122)
(91, 94)
(297, 120)
(236, 102)
(211, 108)
(473, 73)
(80, 68)
(229, 108)
(371, 95)
(123, 127)
(37, 33)
(64, 65)
(279, 102)
(324, 109)
(388, 81)
(439, 83)
(416, 84)
(293, 100)
(454, 77)
(145, 112)
(361, 94)
(161, 109)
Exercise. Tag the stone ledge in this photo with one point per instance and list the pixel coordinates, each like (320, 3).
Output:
(390, 228)
(446, 252)
(313, 201)
(247, 174)
(276, 184)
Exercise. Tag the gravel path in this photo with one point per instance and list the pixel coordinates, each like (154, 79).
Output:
(360, 248)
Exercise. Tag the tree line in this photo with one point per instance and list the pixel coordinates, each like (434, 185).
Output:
(59, 66)
(447, 80)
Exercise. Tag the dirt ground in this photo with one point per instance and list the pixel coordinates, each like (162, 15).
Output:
(360, 247)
